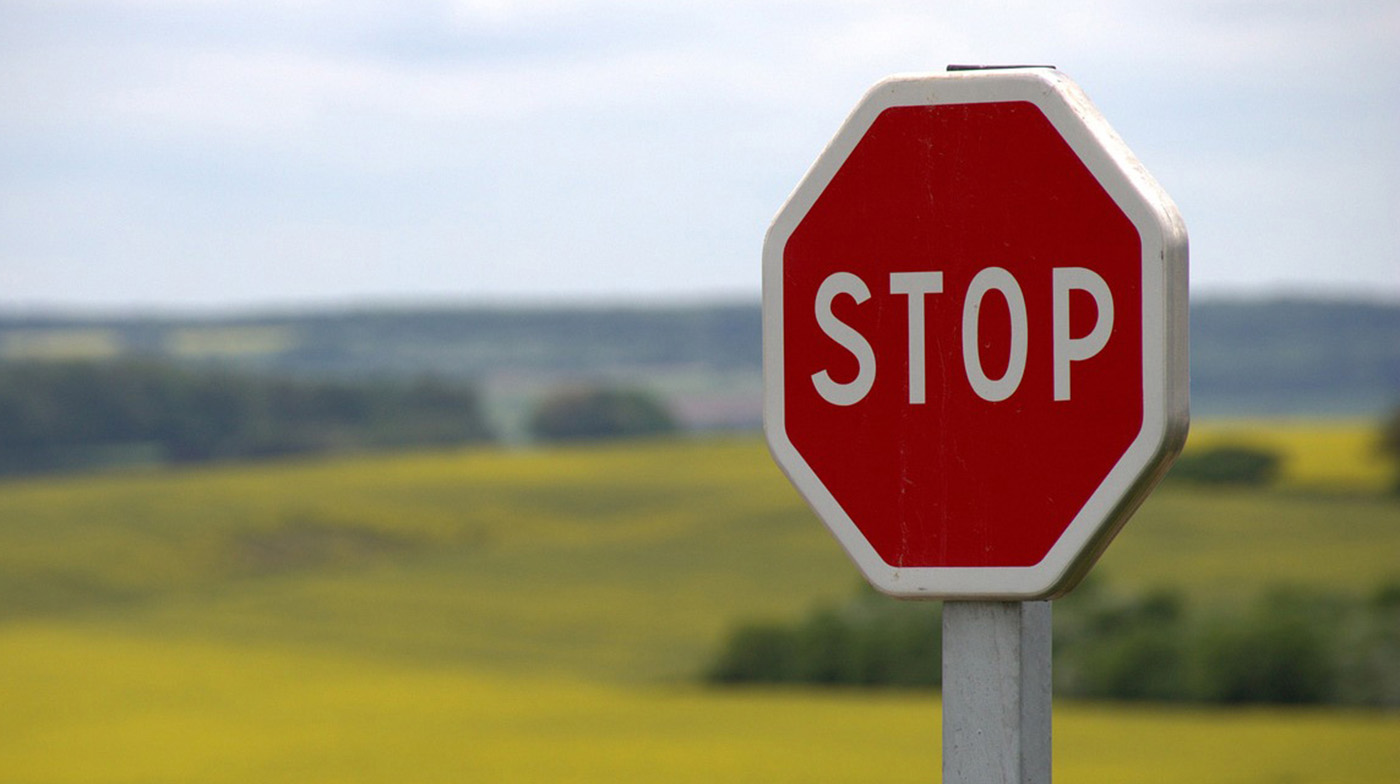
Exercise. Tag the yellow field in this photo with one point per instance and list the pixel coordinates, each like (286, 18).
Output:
(489, 616)
(75, 343)
(1330, 455)
(229, 341)
(83, 707)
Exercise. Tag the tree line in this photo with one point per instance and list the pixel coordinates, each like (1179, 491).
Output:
(1288, 647)
(61, 416)
(1256, 358)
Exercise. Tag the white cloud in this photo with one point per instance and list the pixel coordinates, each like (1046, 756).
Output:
(370, 133)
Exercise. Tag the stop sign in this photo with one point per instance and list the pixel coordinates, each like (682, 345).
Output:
(974, 318)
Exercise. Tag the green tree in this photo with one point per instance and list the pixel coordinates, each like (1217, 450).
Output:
(1228, 465)
(1390, 445)
(1280, 652)
(756, 653)
(592, 413)
(870, 640)
(1128, 648)
(64, 416)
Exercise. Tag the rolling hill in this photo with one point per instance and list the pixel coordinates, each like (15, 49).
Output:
(501, 615)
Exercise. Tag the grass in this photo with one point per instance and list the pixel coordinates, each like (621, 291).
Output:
(1231, 544)
(556, 557)
(513, 616)
(85, 707)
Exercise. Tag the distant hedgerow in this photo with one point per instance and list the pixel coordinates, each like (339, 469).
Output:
(1289, 647)
(73, 415)
(593, 413)
(1228, 465)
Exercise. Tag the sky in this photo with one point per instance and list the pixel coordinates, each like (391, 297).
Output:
(225, 155)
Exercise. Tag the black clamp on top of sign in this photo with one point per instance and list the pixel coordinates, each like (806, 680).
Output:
(994, 67)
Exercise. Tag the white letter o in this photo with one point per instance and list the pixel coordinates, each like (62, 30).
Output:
(994, 390)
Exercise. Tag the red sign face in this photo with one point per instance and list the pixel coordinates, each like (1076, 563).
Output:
(966, 374)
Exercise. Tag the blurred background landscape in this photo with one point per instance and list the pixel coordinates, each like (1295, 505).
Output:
(380, 393)
(304, 544)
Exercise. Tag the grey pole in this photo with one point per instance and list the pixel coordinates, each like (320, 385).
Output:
(996, 692)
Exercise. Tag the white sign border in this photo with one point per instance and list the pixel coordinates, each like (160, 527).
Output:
(1164, 333)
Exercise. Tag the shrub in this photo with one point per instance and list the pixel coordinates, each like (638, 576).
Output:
(1370, 652)
(1228, 465)
(583, 414)
(1281, 652)
(1125, 649)
(1290, 647)
(870, 641)
(64, 416)
(1390, 444)
(824, 650)
(755, 653)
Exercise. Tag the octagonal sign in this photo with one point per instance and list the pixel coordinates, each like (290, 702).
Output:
(974, 325)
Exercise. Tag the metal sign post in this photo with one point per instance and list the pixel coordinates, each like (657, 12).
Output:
(996, 693)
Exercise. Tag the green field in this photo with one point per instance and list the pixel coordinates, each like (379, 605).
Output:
(517, 616)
